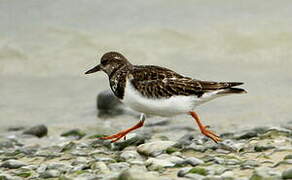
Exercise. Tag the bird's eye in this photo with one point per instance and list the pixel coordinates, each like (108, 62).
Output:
(103, 62)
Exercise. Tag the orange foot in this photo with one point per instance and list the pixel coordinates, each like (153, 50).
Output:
(123, 133)
(204, 129)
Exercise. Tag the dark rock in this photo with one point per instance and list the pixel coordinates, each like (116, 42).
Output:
(50, 174)
(12, 164)
(287, 174)
(38, 131)
(16, 128)
(193, 161)
(289, 156)
(134, 141)
(258, 148)
(183, 171)
(108, 104)
(246, 135)
(77, 133)
(185, 140)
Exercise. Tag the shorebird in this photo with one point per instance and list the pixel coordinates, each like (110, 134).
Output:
(159, 91)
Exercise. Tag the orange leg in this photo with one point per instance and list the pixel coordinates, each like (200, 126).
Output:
(204, 129)
(123, 133)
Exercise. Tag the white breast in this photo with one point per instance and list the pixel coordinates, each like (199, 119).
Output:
(161, 107)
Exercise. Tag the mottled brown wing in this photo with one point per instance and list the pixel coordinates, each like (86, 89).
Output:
(150, 72)
(155, 82)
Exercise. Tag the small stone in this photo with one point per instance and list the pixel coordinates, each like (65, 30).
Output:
(16, 128)
(183, 171)
(259, 148)
(230, 145)
(130, 155)
(50, 174)
(108, 104)
(137, 174)
(173, 159)
(157, 164)
(13, 164)
(132, 141)
(117, 167)
(9, 177)
(102, 168)
(154, 148)
(249, 164)
(77, 133)
(59, 166)
(289, 156)
(263, 173)
(185, 141)
(193, 161)
(287, 174)
(246, 135)
(38, 131)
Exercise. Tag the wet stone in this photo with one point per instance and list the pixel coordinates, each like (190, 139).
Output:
(136, 140)
(249, 164)
(50, 174)
(193, 161)
(230, 145)
(117, 167)
(38, 131)
(137, 174)
(263, 173)
(158, 164)
(130, 155)
(183, 171)
(185, 141)
(259, 148)
(12, 164)
(76, 133)
(289, 156)
(108, 104)
(287, 174)
(154, 148)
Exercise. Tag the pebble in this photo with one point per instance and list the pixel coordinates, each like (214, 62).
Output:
(287, 174)
(138, 174)
(108, 104)
(38, 131)
(193, 161)
(50, 174)
(13, 164)
(154, 148)
(157, 164)
(264, 173)
(102, 168)
(118, 167)
(130, 155)
(76, 133)
(135, 140)
(183, 171)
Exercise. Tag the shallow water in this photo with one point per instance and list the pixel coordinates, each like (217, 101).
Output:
(46, 46)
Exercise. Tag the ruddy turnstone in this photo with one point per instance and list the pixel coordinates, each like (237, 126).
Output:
(159, 91)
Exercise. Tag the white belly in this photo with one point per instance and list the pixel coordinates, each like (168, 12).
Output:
(162, 107)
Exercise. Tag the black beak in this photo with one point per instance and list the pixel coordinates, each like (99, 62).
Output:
(93, 70)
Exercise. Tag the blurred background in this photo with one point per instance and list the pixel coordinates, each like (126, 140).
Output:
(46, 46)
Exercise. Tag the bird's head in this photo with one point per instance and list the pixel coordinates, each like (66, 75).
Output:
(110, 62)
